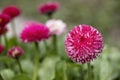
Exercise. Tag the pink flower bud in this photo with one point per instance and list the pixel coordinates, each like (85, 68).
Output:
(15, 52)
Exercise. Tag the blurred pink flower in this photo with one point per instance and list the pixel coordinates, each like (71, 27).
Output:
(12, 10)
(34, 32)
(48, 8)
(1, 48)
(57, 27)
(15, 52)
(3, 30)
(4, 19)
(83, 43)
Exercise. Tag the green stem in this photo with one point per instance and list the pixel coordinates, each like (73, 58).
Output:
(49, 15)
(89, 72)
(55, 44)
(6, 41)
(13, 28)
(0, 39)
(20, 67)
(1, 78)
(36, 59)
(46, 46)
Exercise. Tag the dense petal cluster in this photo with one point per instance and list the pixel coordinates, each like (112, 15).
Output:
(1, 48)
(83, 43)
(34, 32)
(4, 19)
(48, 8)
(12, 11)
(15, 52)
(57, 27)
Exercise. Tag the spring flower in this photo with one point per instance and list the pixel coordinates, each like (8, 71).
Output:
(1, 48)
(15, 52)
(48, 8)
(34, 32)
(4, 19)
(3, 30)
(57, 27)
(12, 10)
(83, 43)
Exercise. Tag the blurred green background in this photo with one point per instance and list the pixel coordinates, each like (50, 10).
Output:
(102, 14)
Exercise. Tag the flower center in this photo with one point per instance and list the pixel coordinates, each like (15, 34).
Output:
(15, 52)
(82, 39)
(0, 20)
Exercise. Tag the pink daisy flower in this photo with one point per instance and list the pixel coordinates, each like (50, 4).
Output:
(83, 43)
(1, 48)
(15, 52)
(34, 32)
(48, 8)
(4, 19)
(12, 11)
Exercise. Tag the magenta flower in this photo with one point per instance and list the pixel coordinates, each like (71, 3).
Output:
(15, 52)
(1, 48)
(12, 10)
(48, 8)
(34, 32)
(83, 43)
(4, 19)
(3, 30)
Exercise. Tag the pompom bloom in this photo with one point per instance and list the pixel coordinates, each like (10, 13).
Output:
(15, 52)
(4, 19)
(34, 31)
(48, 8)
(57, 27)
(83, 43)
(1, 48)
(12, 11)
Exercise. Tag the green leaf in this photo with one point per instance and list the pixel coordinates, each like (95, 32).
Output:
(7, 74)
(21, 77)
(47, 69)
(106, 67)
(27, 66)
(61, 68)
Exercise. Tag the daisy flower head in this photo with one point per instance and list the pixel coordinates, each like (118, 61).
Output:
(57, 27)
(34, 32)
(48, 8)
(12, 10)
(83, 43)
(15, 52)
(4, 19)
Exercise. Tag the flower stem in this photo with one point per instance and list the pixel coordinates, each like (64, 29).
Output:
(89, 71)
(55, 44)
(46, 46)
(36, 59)
(13, 28)
(6, 41)
(20, 67)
